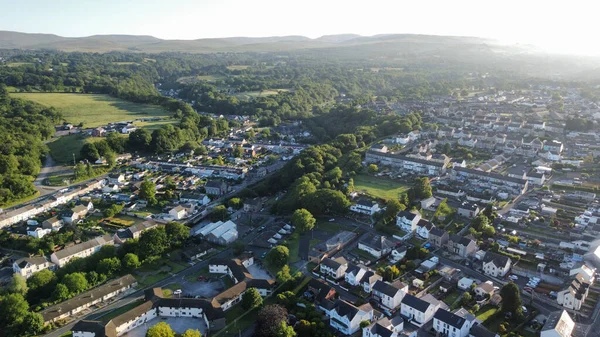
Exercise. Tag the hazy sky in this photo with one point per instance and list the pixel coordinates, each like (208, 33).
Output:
(559, 26)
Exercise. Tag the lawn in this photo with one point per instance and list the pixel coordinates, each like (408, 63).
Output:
(247, 95)
(125, 220)
(238, 67)
(63, 148)
(94, 110)
(293, 244)
(451, 297)
(486, 312)
(333, 227)
(379, 187)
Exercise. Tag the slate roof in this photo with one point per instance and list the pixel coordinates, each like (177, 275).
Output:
(449, 318)
(377, 242)
(99, 241)
(407, 215)
(415, 303)
(498, 259)
(437, 232)
(34, 260)
(385, 288)
(557, 322)
(479, 330)
(380, 330)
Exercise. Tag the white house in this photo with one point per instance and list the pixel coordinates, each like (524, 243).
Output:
(37, 232)
(465, 283)
(585, 271)
(368, 281)
(496, 265)
(384, 328)
(354, 274)
(334, 268)
(575, 295)
(346, 318)
(84, 249)
(423, 228)
(418, 310)
(407, 221)
(178, 212)
(27, 266)
(558, 324)
(449, 324)
(376, 245)
(365, 206)
(401, 139)
(76, 213)
(390, 295)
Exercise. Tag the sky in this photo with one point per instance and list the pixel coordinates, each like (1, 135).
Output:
(568, 27)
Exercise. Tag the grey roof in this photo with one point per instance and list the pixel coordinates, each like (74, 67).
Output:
(498, 259)
(479, 330)
(344, 308)
(386, 288)
(99, 241)
(437, 232)
(366, 202)
(415, 303)
(449, 318)
(34, 260)
(555, 322)
(380, 330)
(406, 214)
(378, 242)
(333, 264)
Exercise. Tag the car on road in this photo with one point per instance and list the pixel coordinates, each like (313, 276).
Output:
(513, 277)
(263, 255)
(200, 278)
(177, 292)
(331, 220)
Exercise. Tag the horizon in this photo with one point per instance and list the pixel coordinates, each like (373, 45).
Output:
(531, 23)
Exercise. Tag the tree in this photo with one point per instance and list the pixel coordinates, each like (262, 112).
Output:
(479, 222)
(177, 233)
(60, 293)
(75, 282)
(284, 274)
(278, 256)
(161, 329)
(466, 299)
(269, 318)
(108, 266)
(13, 308)
(140, 140)
(31, 324)
(41, 284)
(89, 152)
(251, 299)
(148, 191)
(303, 220)
(18, 284)
(238, 152)
(238, 247)
(389, 273)
(191, 333)
(111, 158)
(422, 188)
(392, 208)
(364, 324)
(372, 168)
(235, 203)
(153, 242)
(511, 298)
(130, 261)
(219, 213)
(284, 330)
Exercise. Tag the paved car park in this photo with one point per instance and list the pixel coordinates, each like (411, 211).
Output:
(178, 324)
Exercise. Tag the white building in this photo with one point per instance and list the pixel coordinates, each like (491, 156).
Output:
(27, 266)
(407, 221)
(346, 318)
(558, 324)
(81, 250)
(354, 274)
(376, 245)
(178, 212)
(496, 265)
(384, 328)
(390, 295)
(417, 310)
(575, 295)
(334, 268)
(452, 325)
(365, 206)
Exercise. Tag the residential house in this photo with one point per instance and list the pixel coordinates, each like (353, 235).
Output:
(354, 274)
(409, 164)
(418, 311)
(99, 132)
(116, 178)
(253, 205)
(368, 281)
(465, 283)
(558, 324)
(179, 212)
(346, 318)
(423, 228)
(438, 237)
(407, 221)
(384, 328)
(81, 250)
(334, 268)
(549, 155)
(588, 273)
(401, 139)
(495, 264)
(484, 289)
(365, 206)
(478, 330)
(37, 232)
(320, 290)
(390, 295)
(54, 223)
(535, 178)
(214, 187)
(468, 209)
(461, 246)
(575, 295)
(134, 232)
(76, 213)
(553, 146)
(27, 266)
(376, 245)
(448, 324)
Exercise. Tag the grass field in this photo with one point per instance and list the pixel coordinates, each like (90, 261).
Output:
(246, 95)
(379, 187)
(94, 110)
(18, 64)
(238, 67)
(63, 148)
(194, 79)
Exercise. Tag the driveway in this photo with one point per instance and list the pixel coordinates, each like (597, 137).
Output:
(50, 168)
(201, 288)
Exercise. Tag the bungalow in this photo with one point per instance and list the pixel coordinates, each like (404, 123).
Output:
(390, 295)
(27, 266)
(334, 268)
(407, 221)
(376, 245)
(465, 283)
(446, 323)
(496, 265)
(346, 318)
(37, 232)
(418, 311)
(365, 206)
(111, 188)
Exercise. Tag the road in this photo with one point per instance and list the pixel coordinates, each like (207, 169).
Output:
(50, 168)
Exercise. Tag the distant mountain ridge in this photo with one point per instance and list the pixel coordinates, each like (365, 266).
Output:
(150, 44)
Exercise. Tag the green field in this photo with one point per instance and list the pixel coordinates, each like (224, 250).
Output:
(246, 95)
(63, 148)
(379, 187)
(94, 110)
(238, 67)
